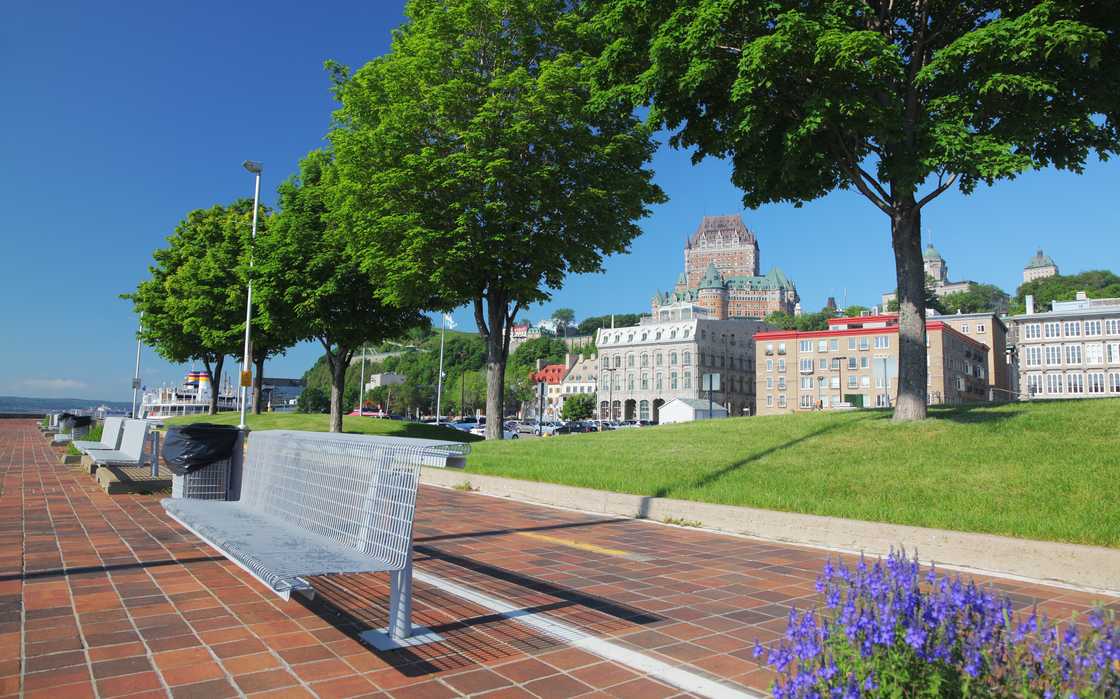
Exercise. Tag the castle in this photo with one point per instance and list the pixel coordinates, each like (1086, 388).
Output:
(721, 273)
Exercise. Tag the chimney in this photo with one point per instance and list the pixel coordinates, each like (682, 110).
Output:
(1082, 296)
(1030, 304)
(540, 364)
(570, 359)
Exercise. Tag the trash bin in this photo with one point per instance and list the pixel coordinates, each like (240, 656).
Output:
(201, 457)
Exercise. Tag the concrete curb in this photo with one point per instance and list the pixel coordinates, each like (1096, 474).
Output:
(1090, 568)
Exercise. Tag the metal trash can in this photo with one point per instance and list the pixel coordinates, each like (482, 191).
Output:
(202, 458)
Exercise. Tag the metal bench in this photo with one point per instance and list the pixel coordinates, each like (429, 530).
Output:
(110, 437)
(315, 503)
(130, 452)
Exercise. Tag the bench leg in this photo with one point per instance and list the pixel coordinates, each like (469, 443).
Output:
(400, 633)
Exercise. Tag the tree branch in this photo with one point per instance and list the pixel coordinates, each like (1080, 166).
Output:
(479, 316)
(937, 192)
(861, 178)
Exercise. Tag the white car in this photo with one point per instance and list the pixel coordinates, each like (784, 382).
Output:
(506, 433)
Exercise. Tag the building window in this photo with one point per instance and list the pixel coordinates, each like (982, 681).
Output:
(851, 343)
(822, 345)
(1094, 353)
(1092, 327)
(863, 343)
(781, 383)
(1033, 355)
(1114, 382)
(1112, 352)
(1095, 382)
(853, 380)
(823, 364)
(645, 382)
(964, 328)
(1073, 354)
(1034, 384)
(673, 380)
(1054, 383)
(782, 401)
(618, 361)
(834, 382)
(658, 359)
(1053, 355)
(645, 360)
(1073, 328)
(769, 365)
(882, 341)
(833, 345)
(980, 328)
(1052, 329)
(781, 365)
(1032, 331)
(687, 360)
(865, 381)
(852, 363)
(672, 359)
(806, 400)
(806, 365)
(630, 361)
(1112, 326)
(1075, 383)
(643, 410)
(882, 400)
(630, 382)
(769, 382)
(673, 334)
(863, 362)
(807, 382)
(769, 401)
(660, 382)
(805, 346)
(688, 379)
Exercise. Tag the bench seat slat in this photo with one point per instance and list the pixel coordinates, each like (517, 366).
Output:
(277, 552)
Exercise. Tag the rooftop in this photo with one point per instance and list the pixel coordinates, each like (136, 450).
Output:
(1040, 260)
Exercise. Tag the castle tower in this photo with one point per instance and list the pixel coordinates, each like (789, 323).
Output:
(725, 242)
(712, 292)
(1039, 267)
(935, 264)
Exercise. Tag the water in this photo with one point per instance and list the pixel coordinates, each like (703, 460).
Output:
(18, 404)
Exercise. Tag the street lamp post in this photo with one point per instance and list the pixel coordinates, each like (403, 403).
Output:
(362, 385)
(136, 375)
(255, 168)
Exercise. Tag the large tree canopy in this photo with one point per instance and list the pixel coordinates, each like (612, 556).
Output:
(1096, 284)
(194, 301)
(307, 267)
(477, 168)
(899, 100)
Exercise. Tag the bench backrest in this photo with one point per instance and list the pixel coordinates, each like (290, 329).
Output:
(111, 432)
(132, 440)
(353, 489)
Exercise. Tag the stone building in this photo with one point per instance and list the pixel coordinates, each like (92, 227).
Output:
(721, 274)
(642, 367)
(937, 269)
(854, 363)
(1070, 351)
(1039, 267)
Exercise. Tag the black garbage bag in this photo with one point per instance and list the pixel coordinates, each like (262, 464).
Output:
(190, 447)
(81, 420)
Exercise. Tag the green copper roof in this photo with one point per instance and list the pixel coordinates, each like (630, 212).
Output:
(1040, 260)
(712, 279)
(931, 253)
(682, 279)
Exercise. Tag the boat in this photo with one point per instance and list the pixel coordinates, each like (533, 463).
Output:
(192, 397)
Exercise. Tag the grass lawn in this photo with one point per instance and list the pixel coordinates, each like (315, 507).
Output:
(320, 423)
(1043, 470)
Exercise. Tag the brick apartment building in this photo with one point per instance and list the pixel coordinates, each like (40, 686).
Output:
(991, 330)
(855, 362)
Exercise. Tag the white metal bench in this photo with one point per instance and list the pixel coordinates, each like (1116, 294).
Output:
(315, 503)
(110, 437)
(131, 450)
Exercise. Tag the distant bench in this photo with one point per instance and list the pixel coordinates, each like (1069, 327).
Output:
(315, 503)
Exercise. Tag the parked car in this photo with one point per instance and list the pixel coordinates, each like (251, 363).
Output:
(506, 433)
(528, 426)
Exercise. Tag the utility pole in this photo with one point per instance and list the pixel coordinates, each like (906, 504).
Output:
(246, 373)
(136, 375)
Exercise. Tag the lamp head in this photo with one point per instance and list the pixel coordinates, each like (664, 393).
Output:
(252, 166)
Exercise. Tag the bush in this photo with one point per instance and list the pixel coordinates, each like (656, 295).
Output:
(94, 435)
(881, 634)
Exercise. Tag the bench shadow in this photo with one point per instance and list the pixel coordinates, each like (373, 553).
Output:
(502, 532)
(83, 570)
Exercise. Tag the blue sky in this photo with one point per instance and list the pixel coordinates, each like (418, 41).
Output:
(118, 118)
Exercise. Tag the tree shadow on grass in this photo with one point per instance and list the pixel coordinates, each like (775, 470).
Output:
(980, 413)
(719, 473)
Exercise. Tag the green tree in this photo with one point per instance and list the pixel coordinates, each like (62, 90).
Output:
(564, 318)
(480, 170)
(980, 298)
(1097, 284)
(578, 406)
(588, 326)
(308, 266)
(803, 322)
(900, 101)
(313, 399)
(855, 310)
(194, 301)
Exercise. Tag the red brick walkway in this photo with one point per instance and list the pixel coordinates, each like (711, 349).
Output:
(105, 596)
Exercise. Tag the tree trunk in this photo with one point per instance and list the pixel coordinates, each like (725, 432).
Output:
(913, 373)
(215, 380)
(258, 383)
(338, 362)
(494, 331)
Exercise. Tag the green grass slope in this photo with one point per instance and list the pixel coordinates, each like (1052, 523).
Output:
(321, 423)
(1041, 470)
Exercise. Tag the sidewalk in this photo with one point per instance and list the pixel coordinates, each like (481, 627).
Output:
(105, 596)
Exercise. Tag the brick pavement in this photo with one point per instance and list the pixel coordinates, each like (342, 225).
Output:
(105, 596)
